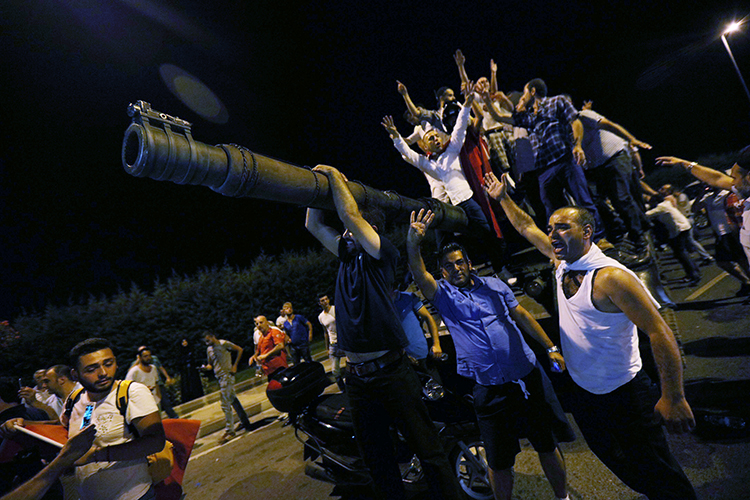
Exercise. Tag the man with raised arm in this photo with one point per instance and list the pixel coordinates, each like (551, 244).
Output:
(738, 182)
(381, 385)
(601, 305)
(441, 161)
(513, 397)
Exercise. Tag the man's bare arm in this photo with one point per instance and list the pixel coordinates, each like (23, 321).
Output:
(620, 131)
(29, 394)
(629, 296)
(461, 64)
(578, 153)
(324, 234)
(490, 103)
(414, 110)
(348, 211)
(493, 77)
(432, 328)
(419, 223)
(37, 486)
(522, 222)
(708, 175)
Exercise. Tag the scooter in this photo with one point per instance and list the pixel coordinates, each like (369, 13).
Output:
(323, 424)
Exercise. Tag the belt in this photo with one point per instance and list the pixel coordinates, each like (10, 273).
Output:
(368, 367)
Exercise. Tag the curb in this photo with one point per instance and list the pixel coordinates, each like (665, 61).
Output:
(216, 424)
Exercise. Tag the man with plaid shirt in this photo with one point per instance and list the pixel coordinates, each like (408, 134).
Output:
(559, 155)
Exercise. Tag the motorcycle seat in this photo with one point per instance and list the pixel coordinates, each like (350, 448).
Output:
(334, 410)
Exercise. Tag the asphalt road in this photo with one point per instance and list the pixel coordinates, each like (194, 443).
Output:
(713, 325)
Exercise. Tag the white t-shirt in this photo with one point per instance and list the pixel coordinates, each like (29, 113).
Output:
(682, 223)
(54, 402)
(149, 379)
(328, 320)
(126, 480)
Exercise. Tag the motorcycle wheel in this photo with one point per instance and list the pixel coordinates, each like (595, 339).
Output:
(469, 462)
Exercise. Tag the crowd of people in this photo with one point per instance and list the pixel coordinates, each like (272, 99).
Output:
(534, 160)
(520, 160)
(554, 155)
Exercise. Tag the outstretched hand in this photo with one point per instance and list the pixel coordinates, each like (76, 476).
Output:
(459, 58)
(468, 90)
(390, 127)
(493, 66)
(401, 88)
(418, 225)
(78, 446)
(670, 161)
(640, 144)
(496, 189)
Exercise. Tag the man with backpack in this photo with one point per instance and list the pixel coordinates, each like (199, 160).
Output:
(128, 427)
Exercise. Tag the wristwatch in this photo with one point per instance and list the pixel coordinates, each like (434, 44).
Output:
(552, 349)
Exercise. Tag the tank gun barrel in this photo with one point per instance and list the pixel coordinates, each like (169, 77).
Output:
(161, 147)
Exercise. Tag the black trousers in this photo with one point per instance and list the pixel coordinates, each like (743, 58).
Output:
(620, 429)
(393, 395)
(679, 246)
(612, 182)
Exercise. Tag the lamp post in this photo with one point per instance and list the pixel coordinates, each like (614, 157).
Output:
(731, 28)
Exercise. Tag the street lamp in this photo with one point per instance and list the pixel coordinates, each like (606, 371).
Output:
(731, 28)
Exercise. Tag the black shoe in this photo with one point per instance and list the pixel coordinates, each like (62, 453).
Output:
(744, 290)
(706, 262)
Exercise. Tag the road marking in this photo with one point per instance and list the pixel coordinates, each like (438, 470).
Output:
(218, 446)
(706, 287)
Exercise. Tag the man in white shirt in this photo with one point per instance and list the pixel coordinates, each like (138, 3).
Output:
(601, 305)
(327, 319)
(115, 468)
(441, 162)
(738, 182)
(678, 228)
(61, 383)
(145, 372)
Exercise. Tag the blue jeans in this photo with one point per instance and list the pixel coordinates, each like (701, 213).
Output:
(226, 389)
(300, 351)
(620, 429)
(567, 175)
(393, 395)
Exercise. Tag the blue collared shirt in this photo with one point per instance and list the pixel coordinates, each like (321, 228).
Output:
(489, 345)
(550, 129)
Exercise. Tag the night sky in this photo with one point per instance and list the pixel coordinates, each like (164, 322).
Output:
(307, 83)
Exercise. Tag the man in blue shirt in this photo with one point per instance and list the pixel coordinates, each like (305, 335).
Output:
(299, 330)
(513, 397)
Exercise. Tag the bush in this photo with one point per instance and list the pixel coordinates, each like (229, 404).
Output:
(225, 299)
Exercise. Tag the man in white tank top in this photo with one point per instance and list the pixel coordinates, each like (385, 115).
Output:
(601, 305)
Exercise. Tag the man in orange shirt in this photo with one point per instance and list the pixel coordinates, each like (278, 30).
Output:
(269, 353)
